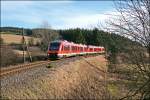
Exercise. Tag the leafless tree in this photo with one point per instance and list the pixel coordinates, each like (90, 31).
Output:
(46, 34)
(133, 21)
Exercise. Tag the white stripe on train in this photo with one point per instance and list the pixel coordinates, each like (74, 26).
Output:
(73, 54)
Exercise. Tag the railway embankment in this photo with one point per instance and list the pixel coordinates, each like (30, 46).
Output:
(70, 78)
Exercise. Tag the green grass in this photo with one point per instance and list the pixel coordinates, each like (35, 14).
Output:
(113, 89)
(49, 66)
(4, 98)
(10, 33)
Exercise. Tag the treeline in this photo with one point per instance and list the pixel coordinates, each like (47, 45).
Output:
(16, 30)
(112, 42)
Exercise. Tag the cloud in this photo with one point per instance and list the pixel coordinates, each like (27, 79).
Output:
(16, 4)
(60, 14)
(86, 21)
(29, 11)
(58, 2)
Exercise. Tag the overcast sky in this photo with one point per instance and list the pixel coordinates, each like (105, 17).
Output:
(59, 14)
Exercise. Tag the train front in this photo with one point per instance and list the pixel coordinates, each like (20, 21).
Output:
(53, 49)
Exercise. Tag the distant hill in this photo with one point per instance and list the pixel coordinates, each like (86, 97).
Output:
(16, 30)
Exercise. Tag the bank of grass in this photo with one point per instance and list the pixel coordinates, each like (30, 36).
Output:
(78, 79)
(81, 79)
(122, 81)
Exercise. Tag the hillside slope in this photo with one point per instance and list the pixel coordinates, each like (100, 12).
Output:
(72, 78)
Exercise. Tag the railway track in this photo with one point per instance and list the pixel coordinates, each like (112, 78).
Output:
(18, 68)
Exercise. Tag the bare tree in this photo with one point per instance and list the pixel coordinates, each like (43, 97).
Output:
(46, 34)
(133, 21)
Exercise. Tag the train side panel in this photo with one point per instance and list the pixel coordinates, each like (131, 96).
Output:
(65, 49)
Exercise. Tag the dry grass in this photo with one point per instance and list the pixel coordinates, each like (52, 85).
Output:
(7, 56)
(81, 79)
(121, 80)
(11, 38)
(20, 53)
(34, 51)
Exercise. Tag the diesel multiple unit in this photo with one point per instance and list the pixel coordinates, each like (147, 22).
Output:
(59, 49)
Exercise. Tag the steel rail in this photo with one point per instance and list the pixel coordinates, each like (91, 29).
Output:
(19, 68)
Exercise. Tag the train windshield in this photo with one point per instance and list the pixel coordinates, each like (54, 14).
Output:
(54, 46)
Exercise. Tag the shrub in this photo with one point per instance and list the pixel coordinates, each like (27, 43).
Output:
(8, 56)
(31, 41)
(1, 41)
(37, 43)
(49, 66)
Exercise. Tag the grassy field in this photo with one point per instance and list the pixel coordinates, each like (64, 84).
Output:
(11, 38)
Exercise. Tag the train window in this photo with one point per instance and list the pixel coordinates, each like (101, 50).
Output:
(73, 48)
(66, 47)
(85, 48)
(81, 49)
(91, 49)
(54, 46)
(78, 48)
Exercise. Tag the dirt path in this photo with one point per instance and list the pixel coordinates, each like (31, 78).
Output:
(74, 78)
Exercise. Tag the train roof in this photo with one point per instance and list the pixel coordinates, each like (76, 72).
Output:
(75, 44)
(55, 41)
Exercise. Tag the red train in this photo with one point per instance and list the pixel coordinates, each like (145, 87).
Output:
(59, 49)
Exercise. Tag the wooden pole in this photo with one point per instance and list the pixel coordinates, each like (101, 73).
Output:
(28, 52)
(23, 45)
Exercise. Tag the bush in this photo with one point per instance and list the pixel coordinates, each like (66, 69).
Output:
(8, 57)
(49, 66)
(31, 41)
(1, 41)
(38, 43)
